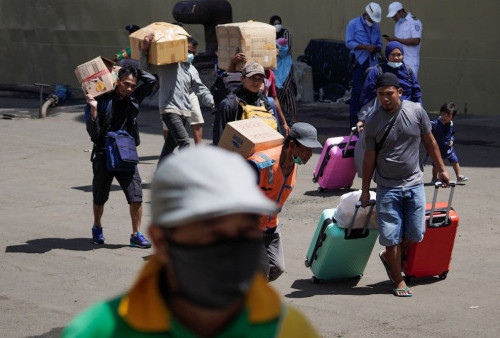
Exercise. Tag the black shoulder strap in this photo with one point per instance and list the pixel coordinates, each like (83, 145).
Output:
(378, 146)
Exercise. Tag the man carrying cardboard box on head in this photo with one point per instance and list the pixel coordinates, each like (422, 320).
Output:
(277, 168)
(176, 81)
(245, 101)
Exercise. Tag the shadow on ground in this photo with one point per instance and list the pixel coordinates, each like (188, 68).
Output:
(43, 245)
(54, 333)
(305, 288)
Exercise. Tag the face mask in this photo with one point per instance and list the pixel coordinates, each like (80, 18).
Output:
(190, 57)
(278, 28)
(368, 23)
(394, 64)
(215, 276)
(297, 160)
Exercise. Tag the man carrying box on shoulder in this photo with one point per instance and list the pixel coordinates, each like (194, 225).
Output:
(277, 168)
(114, 111)
(176, 81)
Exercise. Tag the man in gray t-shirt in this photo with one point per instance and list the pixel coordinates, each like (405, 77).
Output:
(392, 138)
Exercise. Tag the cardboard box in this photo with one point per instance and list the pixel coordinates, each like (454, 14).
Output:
(247, 137)
(168, 46)
(98, 76)
(256, 39)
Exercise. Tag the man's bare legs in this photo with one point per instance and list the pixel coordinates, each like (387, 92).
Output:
(98, 211)
(197, 132)
(136, 216)
(392, 256)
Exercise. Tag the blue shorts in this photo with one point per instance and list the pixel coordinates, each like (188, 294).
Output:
(401, 214)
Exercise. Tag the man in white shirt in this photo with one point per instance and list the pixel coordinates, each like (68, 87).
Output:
(408, 31)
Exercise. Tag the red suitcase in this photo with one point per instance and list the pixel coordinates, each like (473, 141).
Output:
(432, 256)
(335, 168)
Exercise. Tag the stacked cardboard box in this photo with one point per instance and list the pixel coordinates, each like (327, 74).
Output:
(256, 39)
(97, 76)
(168, 46)
(247, 137)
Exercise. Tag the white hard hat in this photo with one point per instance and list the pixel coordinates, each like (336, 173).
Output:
(374, 11)
(394, 7)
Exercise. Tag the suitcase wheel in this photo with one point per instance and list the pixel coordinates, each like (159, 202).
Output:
(314, 280)
(306, 263)
(443, 275)
(321, 189)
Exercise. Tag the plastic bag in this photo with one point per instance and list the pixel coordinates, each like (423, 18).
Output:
(345, 211)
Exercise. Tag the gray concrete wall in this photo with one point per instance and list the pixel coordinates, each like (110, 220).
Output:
(43, 41)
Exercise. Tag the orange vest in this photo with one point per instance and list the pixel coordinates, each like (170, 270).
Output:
(272, 182)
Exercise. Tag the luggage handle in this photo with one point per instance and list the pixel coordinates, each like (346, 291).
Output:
(437, 185)
(319, 241)
(353, 129)
(371, 203)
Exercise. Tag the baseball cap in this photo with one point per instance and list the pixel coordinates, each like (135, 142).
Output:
(387, 79)
(305, 134)
(394, 7)
(374, 11)
(202, 183)
(253, 68)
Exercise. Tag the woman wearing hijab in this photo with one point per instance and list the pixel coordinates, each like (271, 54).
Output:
(280, 31)
(394, 54)
(285, 82)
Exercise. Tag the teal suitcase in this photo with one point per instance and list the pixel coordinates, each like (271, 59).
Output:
(337, 253)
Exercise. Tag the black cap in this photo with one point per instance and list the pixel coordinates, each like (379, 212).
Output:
(132, 28)
(387, 79)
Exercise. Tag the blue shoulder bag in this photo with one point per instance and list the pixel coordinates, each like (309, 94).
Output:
(121, 152)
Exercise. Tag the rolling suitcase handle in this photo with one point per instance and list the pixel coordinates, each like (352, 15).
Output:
(371, 203)
(437, 185)
(353, 129)
(319, 241)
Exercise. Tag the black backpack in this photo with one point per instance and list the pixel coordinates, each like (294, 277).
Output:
(224, 85)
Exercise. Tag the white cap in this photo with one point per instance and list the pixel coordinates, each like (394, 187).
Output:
(374, 11)
(394, 7)
(202, 183)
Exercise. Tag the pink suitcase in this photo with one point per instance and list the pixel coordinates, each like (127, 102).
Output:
(336, 168)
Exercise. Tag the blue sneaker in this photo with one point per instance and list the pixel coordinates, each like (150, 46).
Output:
(97, 236)
(139, 241)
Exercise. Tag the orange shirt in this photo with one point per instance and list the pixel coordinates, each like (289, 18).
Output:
(273, 183)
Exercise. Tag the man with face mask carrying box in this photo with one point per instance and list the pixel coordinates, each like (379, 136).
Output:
(277, 169)
(202, 279)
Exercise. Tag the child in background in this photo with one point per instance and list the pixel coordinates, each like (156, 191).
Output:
(444, 131)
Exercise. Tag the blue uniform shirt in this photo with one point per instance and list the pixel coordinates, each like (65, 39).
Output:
(358, 32)
(443, 133)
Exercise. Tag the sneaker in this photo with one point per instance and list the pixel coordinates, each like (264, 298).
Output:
(462, 178)
(139, 241)
(97, 236)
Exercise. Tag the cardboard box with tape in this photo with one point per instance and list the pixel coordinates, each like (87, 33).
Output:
(256, 39)
(249, 136)
(97, 76)
(168, 46)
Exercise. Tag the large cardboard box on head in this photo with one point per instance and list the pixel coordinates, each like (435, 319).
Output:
(249, 136)
(168, 46)
(97, 76)
(256, 39)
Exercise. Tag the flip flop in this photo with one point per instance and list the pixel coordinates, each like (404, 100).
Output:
(405, 294)
(386, 266)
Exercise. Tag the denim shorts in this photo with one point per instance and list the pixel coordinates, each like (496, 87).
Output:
(401, 214)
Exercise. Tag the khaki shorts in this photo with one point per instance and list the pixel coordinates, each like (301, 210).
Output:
(196, 116)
